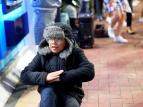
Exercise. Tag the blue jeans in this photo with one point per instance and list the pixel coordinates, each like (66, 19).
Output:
(42, 18)
(51, 97)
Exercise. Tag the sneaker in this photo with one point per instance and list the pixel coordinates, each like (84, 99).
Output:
(134, 4)
(111, 32)
(108, 19)
(141, 19)
(120, 39)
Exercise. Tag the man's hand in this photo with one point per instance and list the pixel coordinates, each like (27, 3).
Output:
(53, 76)
(55, 80)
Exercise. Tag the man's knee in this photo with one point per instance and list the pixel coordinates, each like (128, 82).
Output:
(71, 102)
(49, 97)
(48, 91)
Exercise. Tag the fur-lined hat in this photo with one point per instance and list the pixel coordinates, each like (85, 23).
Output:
(57, 30)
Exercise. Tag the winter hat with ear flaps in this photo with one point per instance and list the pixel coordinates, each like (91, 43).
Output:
(58, 30)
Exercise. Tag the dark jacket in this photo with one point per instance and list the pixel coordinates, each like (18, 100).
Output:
(77, 69)
(65, 3)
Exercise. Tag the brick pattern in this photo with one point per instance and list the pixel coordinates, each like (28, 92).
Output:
(118, 78)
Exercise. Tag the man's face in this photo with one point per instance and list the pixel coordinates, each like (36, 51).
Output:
(56, 44)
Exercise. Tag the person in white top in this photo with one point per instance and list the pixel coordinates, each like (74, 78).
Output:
(45, 12)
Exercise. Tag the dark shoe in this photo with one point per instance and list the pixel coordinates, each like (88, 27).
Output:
(100, 17)
(98, 9)
(95, 16)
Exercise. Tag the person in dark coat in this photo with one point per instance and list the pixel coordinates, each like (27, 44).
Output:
(71, 7)
(59, 68)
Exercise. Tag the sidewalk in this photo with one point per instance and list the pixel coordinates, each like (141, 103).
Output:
(118, 78)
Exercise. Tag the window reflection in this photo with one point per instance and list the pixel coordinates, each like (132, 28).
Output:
(12, 2)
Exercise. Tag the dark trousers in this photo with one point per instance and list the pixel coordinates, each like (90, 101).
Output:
(129, 15)
(83, 7)
(50, 97)
(98, 5)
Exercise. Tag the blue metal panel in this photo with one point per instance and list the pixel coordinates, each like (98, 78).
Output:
(16, 29)
(3, 48)
(6, 53)
(14, 14)
(11, 54)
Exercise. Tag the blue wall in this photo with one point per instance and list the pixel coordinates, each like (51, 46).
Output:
(6, 54)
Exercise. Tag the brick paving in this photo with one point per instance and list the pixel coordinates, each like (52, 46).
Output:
(118, 78)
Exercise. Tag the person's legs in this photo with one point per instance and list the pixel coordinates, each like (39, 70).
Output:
(115, 18)
(109, 17)
(129, 19)
(42, 18)
(118, 37)
(95, 10)
(50, 16)
(68, 101)
(129, 15)
(39, 26)
(101, 8)
(142, 13)
(49, 97)
(98, 4)
(129, 23)
(83, 7)
(120, 25)
(87, 7)
(141, 18)
(90, 6)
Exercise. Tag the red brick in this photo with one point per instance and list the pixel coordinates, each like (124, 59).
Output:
(92, 99)
(116, 105)
(132, 105)
(138, 98)
(124, 101)
(109, 96)
(126, 94)
(88, 105)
